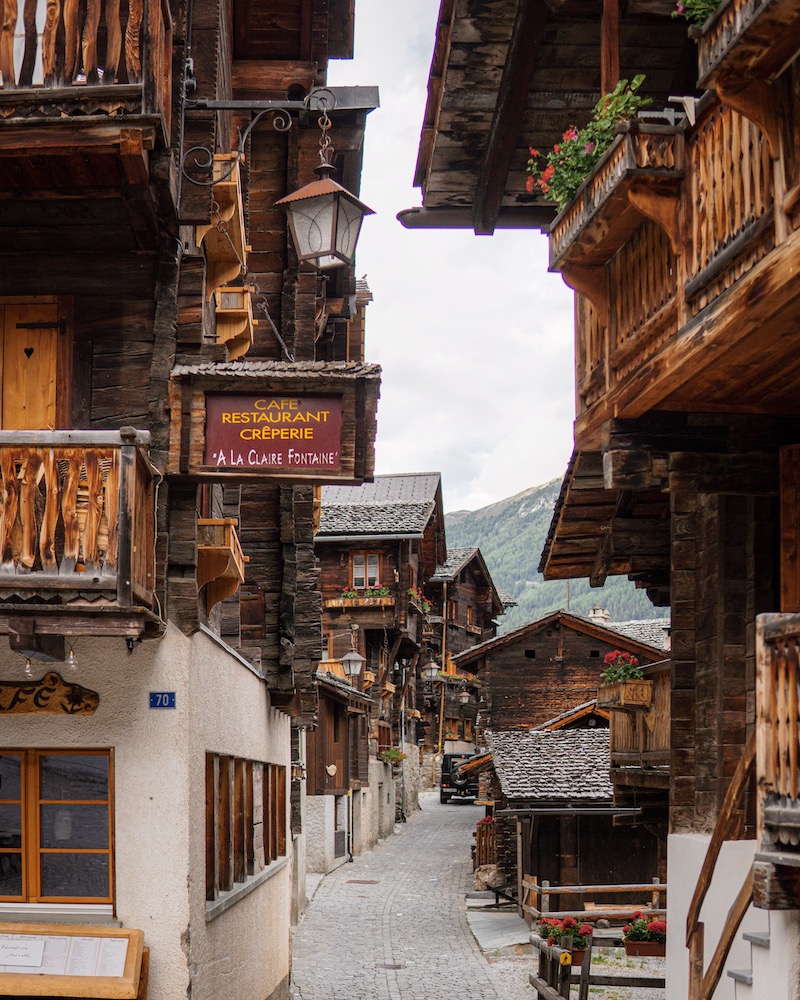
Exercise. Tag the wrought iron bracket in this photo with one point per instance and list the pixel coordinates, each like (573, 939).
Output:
(200, 159)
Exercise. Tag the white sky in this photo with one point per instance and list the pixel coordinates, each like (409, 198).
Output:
(473, 334)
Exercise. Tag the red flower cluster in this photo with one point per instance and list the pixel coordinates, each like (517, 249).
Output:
(641, 928)
(555, 930)
(616, 658)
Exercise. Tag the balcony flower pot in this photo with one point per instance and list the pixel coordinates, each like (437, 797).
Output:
(643, 949)
(627, 695)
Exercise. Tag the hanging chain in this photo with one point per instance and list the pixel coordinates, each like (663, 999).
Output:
(325, 148)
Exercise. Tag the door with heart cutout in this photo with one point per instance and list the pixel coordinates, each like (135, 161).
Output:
(30, 358)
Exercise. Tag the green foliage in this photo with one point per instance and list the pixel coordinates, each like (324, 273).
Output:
(620, 666)
(696, 11)
(392, 755)
(559, 173)
(644, 928)
(511, 534)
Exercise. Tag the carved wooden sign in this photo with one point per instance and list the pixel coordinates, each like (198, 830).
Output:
(287, 433)
(50, 695)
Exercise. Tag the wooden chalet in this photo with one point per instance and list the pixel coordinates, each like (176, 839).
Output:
(545, 668)
(466, 605)
(681, 246)
(553, 815)
(378, 545)
(174, 385)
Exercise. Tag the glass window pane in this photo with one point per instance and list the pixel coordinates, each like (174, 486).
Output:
(10, 874)
(73, 776)
(9, 777)
(359, 575)
(74, 826)
(10, 826)
(82, 875)
(373, 562)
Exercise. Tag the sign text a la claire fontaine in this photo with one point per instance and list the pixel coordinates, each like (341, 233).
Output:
(282, 432)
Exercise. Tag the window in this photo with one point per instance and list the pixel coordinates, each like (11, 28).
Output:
(366, 570)
(245, 820)
(56, 826)
(452, 611)
(470, 613)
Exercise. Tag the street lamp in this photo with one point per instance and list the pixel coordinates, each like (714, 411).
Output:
(352, 663)
(324, 218)
(430, 670)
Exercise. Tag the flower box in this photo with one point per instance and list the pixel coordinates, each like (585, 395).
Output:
(747, 39)
(360, 602)
(646, 949)
(626, 696)
(638, 177)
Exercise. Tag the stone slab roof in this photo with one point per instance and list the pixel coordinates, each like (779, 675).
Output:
(653, 631)
(390, 505)
(455, 562)
(563, 765)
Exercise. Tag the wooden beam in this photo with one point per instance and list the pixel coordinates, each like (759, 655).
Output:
(512, 98)
(609, 46)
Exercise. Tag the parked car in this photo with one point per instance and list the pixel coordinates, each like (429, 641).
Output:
(453, 783)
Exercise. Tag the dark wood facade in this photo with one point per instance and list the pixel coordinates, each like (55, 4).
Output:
(535, 673)
(119, 271)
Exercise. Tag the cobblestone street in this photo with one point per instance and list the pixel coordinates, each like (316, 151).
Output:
(392, 925)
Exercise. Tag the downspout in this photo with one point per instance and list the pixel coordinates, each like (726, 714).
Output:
(403, 747)
(444, 653)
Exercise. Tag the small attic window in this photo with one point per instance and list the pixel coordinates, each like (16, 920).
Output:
(594, 653)
(530, 654)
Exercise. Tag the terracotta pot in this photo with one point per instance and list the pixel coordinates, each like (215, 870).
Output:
(577, 957)
(646, 949)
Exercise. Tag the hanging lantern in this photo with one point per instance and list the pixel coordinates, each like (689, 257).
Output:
(324, 218)
(352, 663)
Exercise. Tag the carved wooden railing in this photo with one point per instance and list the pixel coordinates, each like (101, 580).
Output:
(100, 43)
(642, 739)
(77, 517)
(778, 732)
(644, 274)
(642, 151)
(729, 826)
(747, 37)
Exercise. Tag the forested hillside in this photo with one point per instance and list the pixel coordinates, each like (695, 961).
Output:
(511, 534)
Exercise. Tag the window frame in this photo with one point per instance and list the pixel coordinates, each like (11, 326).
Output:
(366, 555)
(30, 804)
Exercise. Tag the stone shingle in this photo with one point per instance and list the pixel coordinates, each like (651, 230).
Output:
(389, 505)
(564, 765)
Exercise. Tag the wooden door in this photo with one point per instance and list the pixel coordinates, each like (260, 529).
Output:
(31, 333)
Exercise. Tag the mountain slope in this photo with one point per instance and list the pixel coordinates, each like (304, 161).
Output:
(511, 534)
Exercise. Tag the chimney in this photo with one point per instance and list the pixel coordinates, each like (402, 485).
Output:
(598, 614)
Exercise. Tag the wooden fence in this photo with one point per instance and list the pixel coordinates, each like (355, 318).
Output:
(485, 844)
(537, 900)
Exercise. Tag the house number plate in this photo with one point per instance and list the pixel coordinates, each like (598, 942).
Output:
(162, 699)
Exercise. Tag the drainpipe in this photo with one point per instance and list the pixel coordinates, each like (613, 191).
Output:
(403, 745)
(444, 662)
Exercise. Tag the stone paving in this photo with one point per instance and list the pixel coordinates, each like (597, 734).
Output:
(392, 925)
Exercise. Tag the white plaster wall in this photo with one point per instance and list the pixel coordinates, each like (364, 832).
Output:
(685, 854)
(243, 953)
(159, 803)
(319, 830)
(151, 787)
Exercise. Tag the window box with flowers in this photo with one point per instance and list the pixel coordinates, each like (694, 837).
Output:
(623, 687)
(606, 179)
(369, 597)
(418, 600)
(554, 931)
(645, 937)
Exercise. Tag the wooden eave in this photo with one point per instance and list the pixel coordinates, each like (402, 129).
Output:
(508, 75)
(575, 622)
(586, 524)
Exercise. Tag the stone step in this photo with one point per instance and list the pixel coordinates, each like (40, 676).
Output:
(742, 976)
(758, 938)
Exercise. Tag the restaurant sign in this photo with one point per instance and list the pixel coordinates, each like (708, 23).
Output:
(262, 431)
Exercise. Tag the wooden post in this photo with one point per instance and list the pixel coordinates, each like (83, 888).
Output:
(545, 907)
(565, 969)
(586, 966)
(656, 895)
(520, 863)
(609, 46)
(696, 962)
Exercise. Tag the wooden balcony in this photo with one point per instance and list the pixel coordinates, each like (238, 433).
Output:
(235, 323)
(640, 740)
(659, 302)
(638, 177)
(360, 602)
(99, 59)
(747, 40)
(220, 560)
(224, 239)
(776, 871)
(77, 534)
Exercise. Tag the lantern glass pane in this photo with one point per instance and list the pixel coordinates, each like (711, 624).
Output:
(348, 225)
(312, 223)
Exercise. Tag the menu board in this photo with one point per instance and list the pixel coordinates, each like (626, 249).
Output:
(72, 961)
